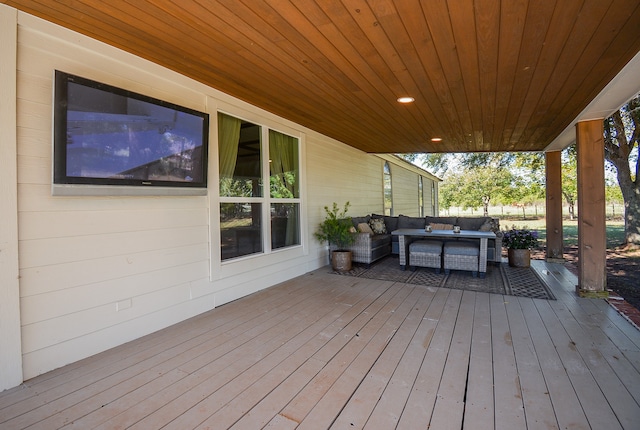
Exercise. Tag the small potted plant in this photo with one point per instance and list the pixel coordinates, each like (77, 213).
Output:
(519, 243)
(336, 230)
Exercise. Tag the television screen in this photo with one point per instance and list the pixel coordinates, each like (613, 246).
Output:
(105, 135)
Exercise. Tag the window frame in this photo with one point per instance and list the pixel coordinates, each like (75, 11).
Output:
(420, 196)
(387, 177)
(265, 199)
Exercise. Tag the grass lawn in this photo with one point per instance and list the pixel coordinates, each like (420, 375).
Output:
(615, 230)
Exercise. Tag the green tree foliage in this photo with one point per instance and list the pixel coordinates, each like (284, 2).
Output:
(613, 196)
(621, 135)
(475, 187)
(570, 179)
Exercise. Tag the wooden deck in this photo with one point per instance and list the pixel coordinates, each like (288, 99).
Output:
(326, 351)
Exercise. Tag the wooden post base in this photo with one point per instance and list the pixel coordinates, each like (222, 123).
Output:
(592, 294)
(556, 260)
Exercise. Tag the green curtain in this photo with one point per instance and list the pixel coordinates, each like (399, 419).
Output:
(293, 227)
(228, 139)
(283, 154)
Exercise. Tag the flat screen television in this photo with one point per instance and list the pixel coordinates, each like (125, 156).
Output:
(108, 136)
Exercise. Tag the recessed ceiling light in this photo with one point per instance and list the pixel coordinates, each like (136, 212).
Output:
(436, 139)
(406, 100)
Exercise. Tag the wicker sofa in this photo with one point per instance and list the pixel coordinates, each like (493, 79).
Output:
(370, 247)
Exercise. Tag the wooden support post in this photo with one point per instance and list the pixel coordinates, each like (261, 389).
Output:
(555, 244)
(592, 246)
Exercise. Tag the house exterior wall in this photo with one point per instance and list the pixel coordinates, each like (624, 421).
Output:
(405, 188)
(430, 192)
(405, 191)
(98, 271)
(10, 342)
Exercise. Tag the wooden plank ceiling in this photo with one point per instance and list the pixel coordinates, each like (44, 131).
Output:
(486, 75)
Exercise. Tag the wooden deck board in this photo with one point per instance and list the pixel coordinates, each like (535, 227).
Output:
(237, 409)
(592, 400)
(391, 404)
(423, 395)
(539, 413)
(567, 408)
(479, 410)
(343, 389)
(327, 351)
(216, 374)
(357, 412)
(450, 402)
(509, 407)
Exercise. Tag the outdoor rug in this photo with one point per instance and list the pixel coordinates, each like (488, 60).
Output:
(500, 279)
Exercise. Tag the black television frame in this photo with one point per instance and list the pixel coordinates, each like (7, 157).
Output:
(65, 184)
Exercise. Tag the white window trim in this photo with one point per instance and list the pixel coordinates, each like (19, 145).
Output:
(220, 269)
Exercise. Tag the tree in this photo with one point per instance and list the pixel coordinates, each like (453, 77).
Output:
(476, 187)
(570, 179)
(531, 195)
(613, 196)
(447, 194)
(621, 135)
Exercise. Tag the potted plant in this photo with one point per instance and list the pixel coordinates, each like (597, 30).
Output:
(519, 243)
(336, 230)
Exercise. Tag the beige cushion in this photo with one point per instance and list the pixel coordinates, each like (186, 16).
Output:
(438, 226)
(487, 226)
(363, 227)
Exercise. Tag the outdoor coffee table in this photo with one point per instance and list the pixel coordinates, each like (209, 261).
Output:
(482, 236)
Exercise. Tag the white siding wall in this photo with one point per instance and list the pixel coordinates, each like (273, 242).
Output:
(339, 173)
(10, 344)
(404, 185)
(96, 272)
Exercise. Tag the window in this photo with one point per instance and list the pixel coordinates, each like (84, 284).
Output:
(387, 196)
(433, 199)
(420, 197)
(284, 182)
(245, 204)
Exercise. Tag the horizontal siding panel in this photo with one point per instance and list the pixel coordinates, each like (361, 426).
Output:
(200, 288)
(44, 252)
(46, 279)
(34, 142)
(41, 360)
(249, 282)
(35, 115)
(68, 301)
(37, 197)
(36, 89)
(405, 191)
(343, 174)
(43, 225)
(40, 54)
(65, 327)
(34, 170)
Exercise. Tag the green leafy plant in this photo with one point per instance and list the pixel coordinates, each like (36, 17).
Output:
(336, 227)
